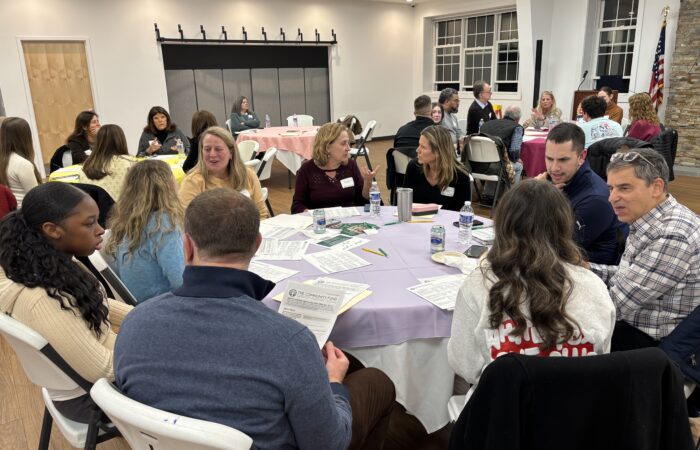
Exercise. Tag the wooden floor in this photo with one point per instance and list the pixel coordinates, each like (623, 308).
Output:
(21, 407)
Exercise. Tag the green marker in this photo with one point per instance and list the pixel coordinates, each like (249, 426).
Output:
(382, 250)
(392, 223)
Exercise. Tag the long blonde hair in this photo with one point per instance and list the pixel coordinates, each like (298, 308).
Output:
(446, 164)
(15, 137)
(148, 188)
(236, 170)
(539, 104)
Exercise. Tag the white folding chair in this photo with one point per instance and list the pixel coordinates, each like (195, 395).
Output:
(247, 150)
(47, 369)
(228, 124)
(484, 150)
(119, 289)
(303, 120)
(365, 137)
(148, 428)
(401, 161)
(253, 164)
(265, 195)
(462, 123)
(67, 158)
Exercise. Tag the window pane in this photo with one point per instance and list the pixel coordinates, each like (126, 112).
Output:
(628, 65)
(486, 75)
(438, 73)
(514, 24)
(489, 40)
(468, 60)
(442, 28)
(603, 61)
(501, 74)
(507, 87)
(609, 10)
(606, 37)
(480, 24)
(487, 60)
(617, 65)
(489, 24)
(455, 72)
(505, 22)
(471, 25)
(512, 71)
(480, 40)
(478, 60)
(471, 41)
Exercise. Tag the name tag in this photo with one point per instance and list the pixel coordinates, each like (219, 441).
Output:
(448, 192)
(347, 182)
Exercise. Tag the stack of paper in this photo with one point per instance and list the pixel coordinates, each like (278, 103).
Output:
(314, 306)
(332, 261)
(270, 272)
(354, 293)
(340, 242)
(338, 212)
(273, 249)
(484, 235)
(440, 291)
(275, 232)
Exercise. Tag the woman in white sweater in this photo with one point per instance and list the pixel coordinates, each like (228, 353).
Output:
(531, 293)
(17, 170)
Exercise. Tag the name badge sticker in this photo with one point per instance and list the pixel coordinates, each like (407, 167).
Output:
(448, 192)
(347, 182)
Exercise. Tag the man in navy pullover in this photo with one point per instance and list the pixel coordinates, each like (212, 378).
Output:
(212, 351)
(597, 231)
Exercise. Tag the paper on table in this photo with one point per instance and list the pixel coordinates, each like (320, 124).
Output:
(354, 292)
(441, 292)
(297, 221)
(338, 212)
(332, 261)
(275, 232)
(484, 235)
(275, 250)
(270, 272)
(313, 306)
(341, 242)
(319, 237)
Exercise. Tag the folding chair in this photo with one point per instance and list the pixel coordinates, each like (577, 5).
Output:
(401, 160)
(303, 120)
(47, 369)
(247, 150)
(118, 288)
(361, 149)
(264, 172)
(482, 152)
(145, 427)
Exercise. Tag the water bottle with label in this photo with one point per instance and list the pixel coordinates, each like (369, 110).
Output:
(319, 221)
(180, 147)
(295, 120)
(481, 123)
(374, 200)
(466, 219)
(551, 122)
(267, 121)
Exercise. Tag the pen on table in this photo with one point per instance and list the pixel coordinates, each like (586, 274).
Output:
(369, 250)
(392, 223)
(385, 253)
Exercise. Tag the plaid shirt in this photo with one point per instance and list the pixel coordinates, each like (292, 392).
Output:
(657, 283)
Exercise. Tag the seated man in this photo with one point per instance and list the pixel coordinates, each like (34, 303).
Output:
(408, 135)
(612, 110)
(657, 283)
(596, 126)
(211, 350)
(597, 231)
(511, 133)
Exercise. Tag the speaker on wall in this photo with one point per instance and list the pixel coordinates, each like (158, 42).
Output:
(538, 73)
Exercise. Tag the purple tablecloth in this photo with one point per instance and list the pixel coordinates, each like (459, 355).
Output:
(391, 315)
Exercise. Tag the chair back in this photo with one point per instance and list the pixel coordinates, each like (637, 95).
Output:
(483, 150)
(401, 161)
(28, 345)
(462, 124)
(265, 169)
(666, 144)
(366, 134)
(148, 428)
(303, 120)
(61, 158)
(118, 288)
(247, 150)
(104, 201)
(253, 164)
(228, 124)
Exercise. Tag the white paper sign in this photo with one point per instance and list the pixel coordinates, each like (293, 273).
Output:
(313, 306)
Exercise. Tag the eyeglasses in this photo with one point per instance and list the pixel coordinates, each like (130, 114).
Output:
(629, 157)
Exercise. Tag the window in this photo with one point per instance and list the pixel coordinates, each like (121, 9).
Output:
(616, 34)
(477, 48)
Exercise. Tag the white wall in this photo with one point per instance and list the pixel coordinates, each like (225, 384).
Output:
(370, 66)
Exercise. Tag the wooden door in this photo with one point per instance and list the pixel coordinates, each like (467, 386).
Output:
(60, 87)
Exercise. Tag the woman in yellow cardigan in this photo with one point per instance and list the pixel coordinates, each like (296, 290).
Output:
(219, 166)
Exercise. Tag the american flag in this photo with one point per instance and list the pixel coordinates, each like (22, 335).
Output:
(656, 88)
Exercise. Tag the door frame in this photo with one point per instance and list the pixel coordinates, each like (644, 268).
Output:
(38, 160)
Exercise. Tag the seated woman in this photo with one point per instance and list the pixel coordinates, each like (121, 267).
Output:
(436, 113)
(82, 139)
(43, 286)
(546, 112)
(645, 123)
(201, 120)
(435, 175)
(109, 162)
(331, 178)
(146, 231)
(17, 170)
(242, 117)
(160, 135)
(219, 166)
(530, 294)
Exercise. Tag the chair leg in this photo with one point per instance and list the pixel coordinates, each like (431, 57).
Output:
(289, 178)
(364, 152)
(269, 207)
(93, 429)
(45, 430)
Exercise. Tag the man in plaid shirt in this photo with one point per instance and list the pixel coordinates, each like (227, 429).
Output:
(657, 283)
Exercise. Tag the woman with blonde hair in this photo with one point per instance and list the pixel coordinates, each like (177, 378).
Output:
(220, 166)
(435, 175)
(146, 231)
(645, 123)
(201, 120)
(331, 178)
(545, 113)
(17, 170)
(109, 162)
(531, 293)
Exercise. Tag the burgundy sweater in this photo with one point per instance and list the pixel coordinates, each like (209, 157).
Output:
(314, 189)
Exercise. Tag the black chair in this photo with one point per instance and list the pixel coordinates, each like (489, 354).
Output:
(666, 143)
(599, 153)
(58, 161)
(102, 198)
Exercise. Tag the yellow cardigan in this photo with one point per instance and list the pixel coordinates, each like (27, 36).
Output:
(194, 184)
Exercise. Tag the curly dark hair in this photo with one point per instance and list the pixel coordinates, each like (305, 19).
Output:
(29, 259)
(534, 226)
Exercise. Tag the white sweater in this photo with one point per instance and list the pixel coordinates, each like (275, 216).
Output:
(20, 177)
(474, 344)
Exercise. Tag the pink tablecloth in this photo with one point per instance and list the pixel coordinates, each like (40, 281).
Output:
(301, 144)
(532, 154)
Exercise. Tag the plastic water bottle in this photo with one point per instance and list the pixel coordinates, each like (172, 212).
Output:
(466, 219)
(267, 121)
(374, 200)
(179, 146)
(295, 120)
(551, 122)
(481, 123)
(319, 221)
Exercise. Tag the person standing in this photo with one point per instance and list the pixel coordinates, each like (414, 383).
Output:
(449, 100)
(481, 108)
(613, 111)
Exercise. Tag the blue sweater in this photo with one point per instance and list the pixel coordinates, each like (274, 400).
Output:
(156, 266)
(211, 350)
(596, 228)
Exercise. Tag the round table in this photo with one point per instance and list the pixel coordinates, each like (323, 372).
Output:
(532, 152)
(70, 174)
(293, 144)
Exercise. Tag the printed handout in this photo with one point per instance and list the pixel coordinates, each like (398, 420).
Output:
(314, 306)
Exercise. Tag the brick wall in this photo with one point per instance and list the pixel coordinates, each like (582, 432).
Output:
(683, 109)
